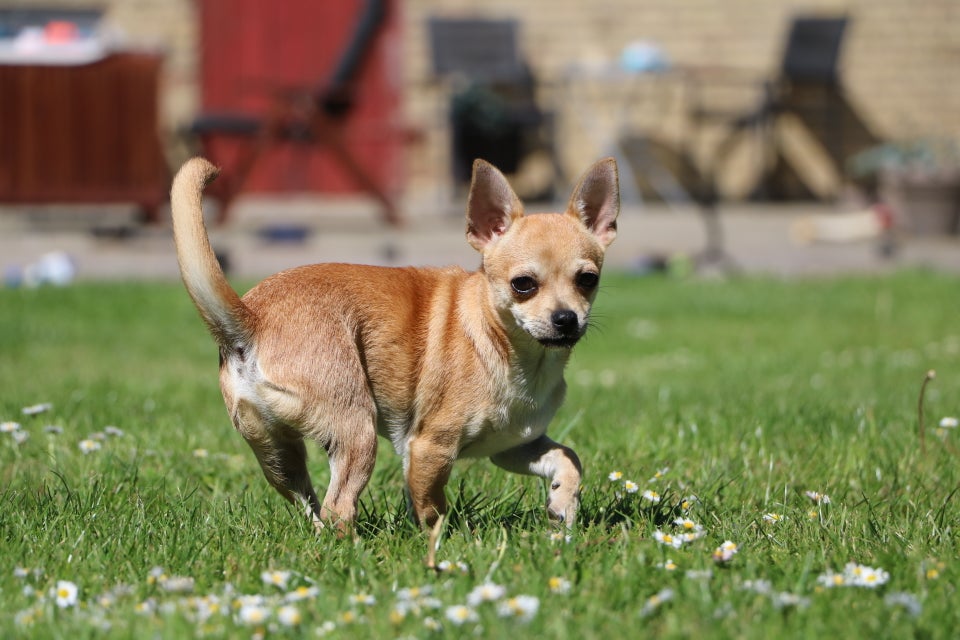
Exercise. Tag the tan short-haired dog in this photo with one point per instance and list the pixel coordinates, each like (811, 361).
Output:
(443, 363)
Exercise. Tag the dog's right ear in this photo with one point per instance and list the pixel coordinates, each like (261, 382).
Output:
(491, 207)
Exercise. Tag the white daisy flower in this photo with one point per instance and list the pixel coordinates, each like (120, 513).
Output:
(487, 592)
(278, 579)
(414, 593)
(948, 423)
(253, 614)
(460, 614)
(157, 574)
(328, 627)
(66, 594)
(146, 607)
(773, 518)
(205, 607)
(817, 497)
(28, 616)
(687, 503)
(787, 600)
(9, 427)
(400, 611)
(659, 474)
(666, 539)
(655, 601)
(177, 584)
(858, 575)
(831, 579)
(242, 601)
(348, 617)
(908, 601)
(688, 525)
(630, 486)
(33, 410)
(763, 587)
(523, 608)
(112, 431)
(667, 565)
(448, 566)
(20, 572)
(725, 552)
(301, 593)
(559, 585)
(690, 536)
(854, 575)
(89, 446)
(615, 476)
(289, 616)
(652, 496)
(364, 599)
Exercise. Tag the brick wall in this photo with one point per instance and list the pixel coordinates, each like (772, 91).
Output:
(900, 64)
(901, 61)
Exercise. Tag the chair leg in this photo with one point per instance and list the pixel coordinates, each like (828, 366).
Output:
(325, 133)
(232, 184)
(328, 134)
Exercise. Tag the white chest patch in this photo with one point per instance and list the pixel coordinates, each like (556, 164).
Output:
(520, 417)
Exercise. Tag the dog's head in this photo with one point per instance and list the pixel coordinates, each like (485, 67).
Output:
(544, 269)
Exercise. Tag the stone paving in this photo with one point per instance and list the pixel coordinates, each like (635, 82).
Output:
(104, 244)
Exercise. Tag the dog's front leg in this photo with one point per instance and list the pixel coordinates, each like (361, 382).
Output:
(558, 464)
(428, 469)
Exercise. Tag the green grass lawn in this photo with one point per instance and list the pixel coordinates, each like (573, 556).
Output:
(741, 395)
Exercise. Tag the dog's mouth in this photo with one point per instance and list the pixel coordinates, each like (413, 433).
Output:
(563, 342)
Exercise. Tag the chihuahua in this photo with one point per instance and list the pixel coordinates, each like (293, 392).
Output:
(444, 364)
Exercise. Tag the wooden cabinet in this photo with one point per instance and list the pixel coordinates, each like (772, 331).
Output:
(83, 133)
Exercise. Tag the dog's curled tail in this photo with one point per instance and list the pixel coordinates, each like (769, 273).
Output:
(228, 319)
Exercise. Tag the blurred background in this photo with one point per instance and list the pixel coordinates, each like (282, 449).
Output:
(712, 108)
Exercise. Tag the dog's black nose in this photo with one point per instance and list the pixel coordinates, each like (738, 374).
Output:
(565, 321)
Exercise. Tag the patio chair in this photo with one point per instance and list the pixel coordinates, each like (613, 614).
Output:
(301, 115)
(494, 112)
(807, 87)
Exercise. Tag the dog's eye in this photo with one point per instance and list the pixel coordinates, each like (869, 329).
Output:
(587, 280)
(524, 285)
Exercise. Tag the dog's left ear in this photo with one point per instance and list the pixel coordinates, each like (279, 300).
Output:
(596, 200)
(491, 207)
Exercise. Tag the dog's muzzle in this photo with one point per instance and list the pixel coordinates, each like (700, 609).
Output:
(566, 326)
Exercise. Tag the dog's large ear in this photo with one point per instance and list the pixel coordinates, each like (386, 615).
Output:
(596, 200)
(492, 206)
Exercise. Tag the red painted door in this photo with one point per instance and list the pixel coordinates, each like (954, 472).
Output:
(249, 47)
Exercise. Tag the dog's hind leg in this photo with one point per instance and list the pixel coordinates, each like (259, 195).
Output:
(283, 458)
(352, 456)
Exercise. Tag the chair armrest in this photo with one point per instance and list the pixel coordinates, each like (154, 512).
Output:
(703, 80)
